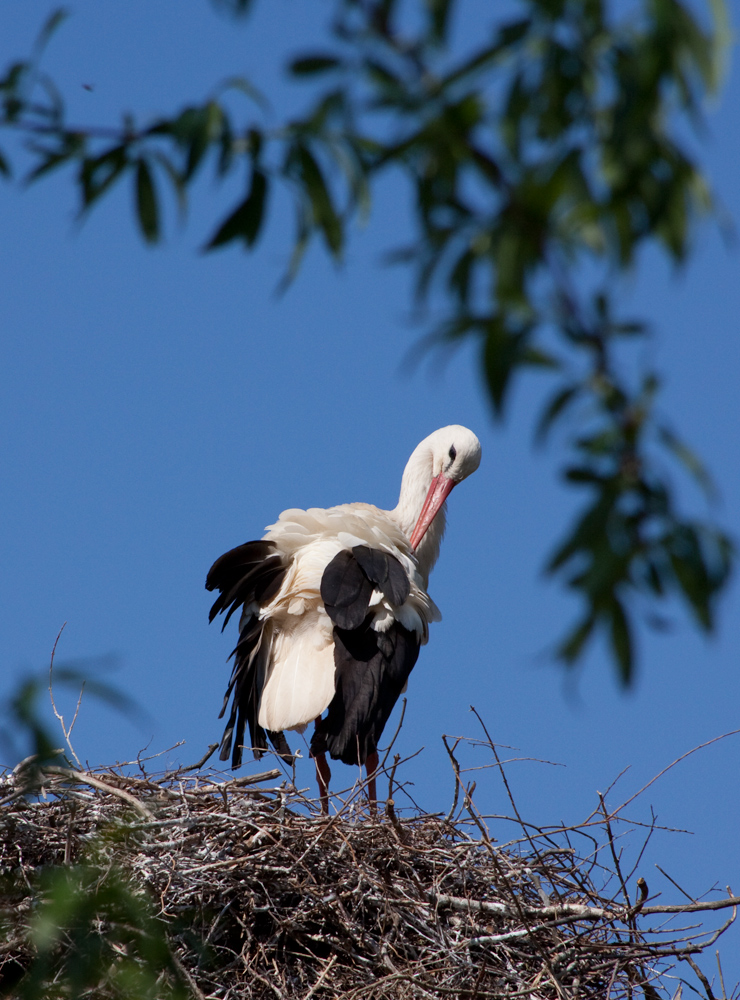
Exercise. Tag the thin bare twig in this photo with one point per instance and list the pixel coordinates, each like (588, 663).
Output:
(57, 713)
(85, 778)
(701, 746)
(201, 763)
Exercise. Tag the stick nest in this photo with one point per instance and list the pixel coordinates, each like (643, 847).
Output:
(257, 895)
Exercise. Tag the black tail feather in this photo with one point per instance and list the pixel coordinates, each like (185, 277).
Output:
(249, 574)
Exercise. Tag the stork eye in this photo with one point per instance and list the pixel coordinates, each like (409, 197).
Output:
(452, 453)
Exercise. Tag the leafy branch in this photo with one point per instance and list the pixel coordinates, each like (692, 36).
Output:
(540, 163)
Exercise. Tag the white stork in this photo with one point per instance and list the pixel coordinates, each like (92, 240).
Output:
(334, 610)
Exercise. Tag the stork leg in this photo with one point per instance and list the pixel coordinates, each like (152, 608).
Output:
(323, 775)
(371, 768)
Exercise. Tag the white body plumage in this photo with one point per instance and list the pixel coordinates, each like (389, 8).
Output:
(334, 609)
(300, 680)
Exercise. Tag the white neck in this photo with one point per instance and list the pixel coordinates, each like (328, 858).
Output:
(417, 478)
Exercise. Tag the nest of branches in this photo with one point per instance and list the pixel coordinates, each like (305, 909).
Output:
(241, 888)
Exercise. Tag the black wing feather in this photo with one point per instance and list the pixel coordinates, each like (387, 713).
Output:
(371, 667)
(385, 571)
(243, 580)
(345, 590)
(371, 671)
(231, 566)
(251, 573)
(350, 578)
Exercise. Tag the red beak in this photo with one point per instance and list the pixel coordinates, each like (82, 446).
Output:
(439, 489)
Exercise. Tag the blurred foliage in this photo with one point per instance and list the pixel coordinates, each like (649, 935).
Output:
(539, 163)
(93, 933)
(24, 729)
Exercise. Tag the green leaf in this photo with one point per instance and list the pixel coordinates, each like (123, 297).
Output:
(97, 174)
(304, 166)
(722, 40)
(384, 78)
(652, 575)
(53, 21)
(226, 148)
(635, 329)
(4, 166)
(701, 560)
(621, 640)
(535, 357)
(311, 65)
(513, 33)
(52, 158)
(246, 87)
(195, 129)
(175, 179)
(581, 475)
(238, 8)
(571, 647)
(245, 221)
(439, 17)
(587, 530)
(687, 564)
(459, 279)
(502, 355)
(13, 79)
(688, 459)
(146, 202)
(199, 136)
(558, 403)
(303, 235)
(507, 38)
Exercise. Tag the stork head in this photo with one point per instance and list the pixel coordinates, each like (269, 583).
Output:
(437, 464)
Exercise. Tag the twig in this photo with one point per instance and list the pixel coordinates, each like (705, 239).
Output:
(721, 977)
(188, 977)
(504, 779)
(67, 732)
(395, 735)
(613, 850)
(456, 771)
(322, 977)
(85, 778)
(700, 976)
(673, 881)
(206, 756)
(714, 904)
(673, 763)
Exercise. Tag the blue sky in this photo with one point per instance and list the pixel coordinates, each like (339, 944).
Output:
(160, 406)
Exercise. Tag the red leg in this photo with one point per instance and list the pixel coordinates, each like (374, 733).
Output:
(323, 775)
(371, 767)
